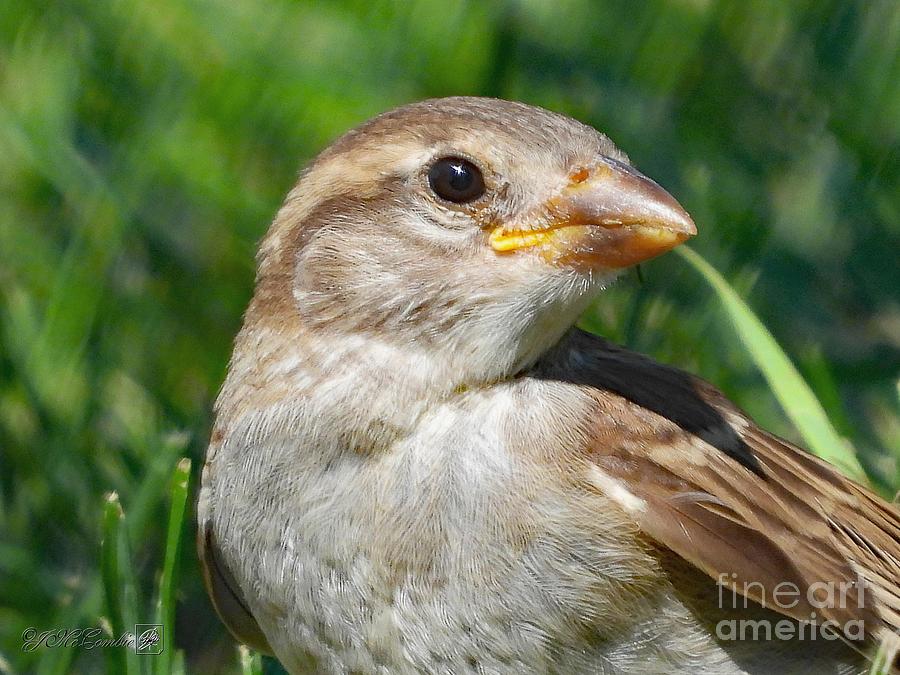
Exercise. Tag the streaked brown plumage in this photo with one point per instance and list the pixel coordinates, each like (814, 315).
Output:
(419, 466)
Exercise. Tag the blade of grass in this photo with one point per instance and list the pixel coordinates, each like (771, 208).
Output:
(250, 661)
(178, 667)
(157, 472)
(165, 608)
(112, 527)
(880, 662)
(132, 604)
(792, 392)
(119, 585)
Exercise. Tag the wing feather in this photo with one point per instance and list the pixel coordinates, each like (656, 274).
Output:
(738, 503)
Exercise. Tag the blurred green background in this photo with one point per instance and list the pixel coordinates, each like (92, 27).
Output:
(145, 146)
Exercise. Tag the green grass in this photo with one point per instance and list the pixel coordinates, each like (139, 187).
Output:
(146, 146)
(794, 395)
(123, 605)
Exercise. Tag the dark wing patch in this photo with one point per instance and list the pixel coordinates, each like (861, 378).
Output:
(666, 391)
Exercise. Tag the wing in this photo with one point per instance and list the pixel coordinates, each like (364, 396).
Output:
(226, 595)
(745, 507)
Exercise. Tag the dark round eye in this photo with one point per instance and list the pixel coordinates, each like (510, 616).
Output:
(456, 180)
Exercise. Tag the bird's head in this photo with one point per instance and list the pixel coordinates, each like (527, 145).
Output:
(471, 231)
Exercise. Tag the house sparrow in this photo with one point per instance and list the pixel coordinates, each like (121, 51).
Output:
(418, 465)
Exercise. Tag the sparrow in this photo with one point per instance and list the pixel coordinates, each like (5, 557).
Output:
(418, 464)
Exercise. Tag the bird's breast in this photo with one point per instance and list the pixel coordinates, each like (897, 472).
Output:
(465, 539)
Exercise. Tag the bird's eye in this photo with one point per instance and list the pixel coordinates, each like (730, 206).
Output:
(456, 180)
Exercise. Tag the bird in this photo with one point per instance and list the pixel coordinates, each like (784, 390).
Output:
(420, 464)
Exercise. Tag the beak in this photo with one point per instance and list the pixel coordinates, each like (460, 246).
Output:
(609, 215)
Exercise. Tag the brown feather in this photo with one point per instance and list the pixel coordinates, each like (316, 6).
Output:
(733, 499)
